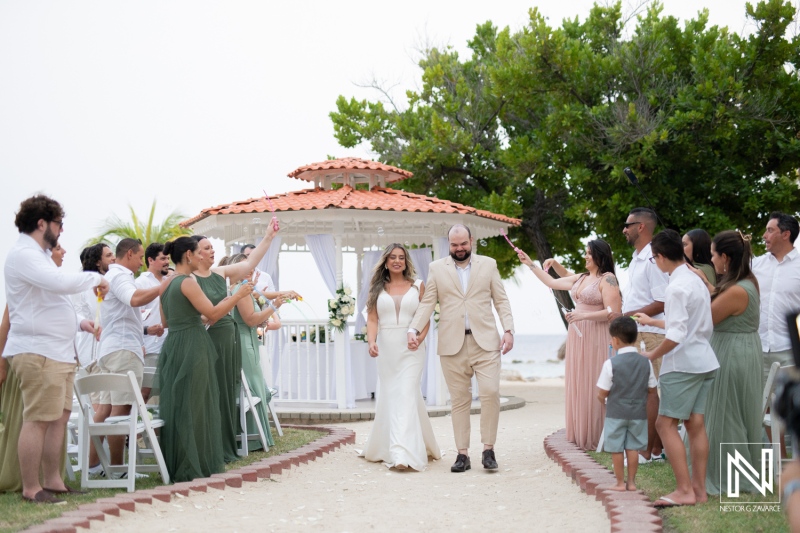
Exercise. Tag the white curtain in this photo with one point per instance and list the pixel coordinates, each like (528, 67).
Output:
(269, 263)
(442, 247)
(368, 263)
(323, 250)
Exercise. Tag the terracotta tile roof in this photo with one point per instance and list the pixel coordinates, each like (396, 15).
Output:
(308, 172)
(377, 199)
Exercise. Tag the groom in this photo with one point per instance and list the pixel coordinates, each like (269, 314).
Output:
(465, 286)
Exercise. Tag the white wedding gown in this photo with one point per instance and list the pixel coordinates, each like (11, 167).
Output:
(401, 433)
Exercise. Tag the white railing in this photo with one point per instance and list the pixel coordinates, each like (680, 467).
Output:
(303, 362)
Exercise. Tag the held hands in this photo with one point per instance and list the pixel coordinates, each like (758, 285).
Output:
(373, 349)
(413, 342)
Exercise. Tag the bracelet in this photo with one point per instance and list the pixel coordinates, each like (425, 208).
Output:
(145, 330)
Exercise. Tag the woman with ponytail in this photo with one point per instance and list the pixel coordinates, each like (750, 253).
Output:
(734, 402)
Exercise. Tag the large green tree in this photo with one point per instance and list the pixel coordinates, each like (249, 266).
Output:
(539, 124)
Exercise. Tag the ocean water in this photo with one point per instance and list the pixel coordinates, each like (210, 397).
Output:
(535, 356)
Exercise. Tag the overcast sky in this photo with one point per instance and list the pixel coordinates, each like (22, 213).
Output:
(105, 104)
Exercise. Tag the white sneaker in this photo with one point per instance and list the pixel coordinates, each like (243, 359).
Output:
(96, 470)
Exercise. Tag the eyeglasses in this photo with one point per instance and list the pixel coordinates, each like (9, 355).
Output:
(59, 222)
(629, 224)
(652, 259)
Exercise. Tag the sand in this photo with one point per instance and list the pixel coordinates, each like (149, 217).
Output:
(342, 492)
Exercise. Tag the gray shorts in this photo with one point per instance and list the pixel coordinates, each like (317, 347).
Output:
(621, 434)
(120, 362)
(683, 393)
(784, 357)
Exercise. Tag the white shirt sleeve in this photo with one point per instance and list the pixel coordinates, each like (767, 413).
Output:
(658, 282)
(652, 382)
(123, 288)
(605, 380)
(676, 315)
(41, 272)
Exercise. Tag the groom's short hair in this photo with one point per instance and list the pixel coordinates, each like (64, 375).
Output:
(459, 226)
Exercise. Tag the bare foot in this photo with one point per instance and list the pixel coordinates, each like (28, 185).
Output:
(400, 467)
(620, 487)
(631, 486)
(702, 497)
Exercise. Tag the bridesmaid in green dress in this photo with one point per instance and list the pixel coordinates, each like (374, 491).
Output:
(189, 398)
(11, 422)
(248, 316)
(733, 412)
(224, 333)
(697, 248)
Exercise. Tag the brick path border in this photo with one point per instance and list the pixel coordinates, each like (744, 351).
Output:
(70, 521)
(628, 511)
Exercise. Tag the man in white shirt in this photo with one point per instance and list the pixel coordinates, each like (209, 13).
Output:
(778, 275)
(154, 332)
(95, 258)
(644, 293)
(687, 371)
(41, 343)
(121, 347)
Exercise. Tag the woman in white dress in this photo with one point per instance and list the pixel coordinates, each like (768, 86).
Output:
(401, 436)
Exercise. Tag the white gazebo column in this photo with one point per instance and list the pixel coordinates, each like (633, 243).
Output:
(339, 350)
(442, 393)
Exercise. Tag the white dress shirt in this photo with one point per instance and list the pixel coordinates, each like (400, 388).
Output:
(85, 304)
(687, 310)
(151, 313)
(646, 284)
(122, 324)
(463, 276)
(42, 318)
(606, 378)
(779, 285)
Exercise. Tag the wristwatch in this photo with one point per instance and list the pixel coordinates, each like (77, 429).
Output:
(510, 331)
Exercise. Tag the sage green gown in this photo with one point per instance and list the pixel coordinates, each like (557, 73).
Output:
(251, 364)
(225, 336)
(189, 397)
(733, 408)
(11, 407)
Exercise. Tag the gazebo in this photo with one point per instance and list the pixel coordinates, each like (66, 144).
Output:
(349, 209)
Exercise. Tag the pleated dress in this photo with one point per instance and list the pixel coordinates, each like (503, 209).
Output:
(225, 336)
(189, 397)
(733, 408)
(251, 364)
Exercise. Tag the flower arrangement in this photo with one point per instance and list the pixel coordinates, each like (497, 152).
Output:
(436, 313)
(341, 308)
(361, 336)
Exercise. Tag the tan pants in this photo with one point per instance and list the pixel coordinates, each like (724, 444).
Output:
(458, 370)
(651, 341)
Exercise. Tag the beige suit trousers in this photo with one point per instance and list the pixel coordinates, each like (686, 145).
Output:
(458, 370)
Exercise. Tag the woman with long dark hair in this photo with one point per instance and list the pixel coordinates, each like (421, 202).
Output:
(596, 295)
(189, 399)
(697, 249)
(402, 436)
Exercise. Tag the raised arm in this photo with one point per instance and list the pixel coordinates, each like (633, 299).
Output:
(191, 289)
(731, 302)
(240, 270)
(252, 317)
(561, 284)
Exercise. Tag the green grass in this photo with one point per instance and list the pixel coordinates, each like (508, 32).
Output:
(657, 479)
(16, 514)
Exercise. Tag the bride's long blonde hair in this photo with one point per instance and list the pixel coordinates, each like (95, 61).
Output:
(380, 274)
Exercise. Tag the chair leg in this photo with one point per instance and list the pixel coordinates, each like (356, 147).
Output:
(275, 418)
(243, 448)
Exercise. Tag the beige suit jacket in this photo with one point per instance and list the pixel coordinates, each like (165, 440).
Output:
(484, 288)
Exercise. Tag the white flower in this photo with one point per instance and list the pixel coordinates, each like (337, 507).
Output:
(345, 310)
(363, 330)
(332, 304)
(336, 322)
(436, 309)
(348, 291)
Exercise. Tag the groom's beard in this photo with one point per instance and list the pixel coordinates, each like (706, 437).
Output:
(50, 238)
(461, 255)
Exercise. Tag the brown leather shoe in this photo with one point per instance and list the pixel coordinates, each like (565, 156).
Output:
(43, 497)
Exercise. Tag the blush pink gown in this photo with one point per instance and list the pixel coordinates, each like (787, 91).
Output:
(584, 360)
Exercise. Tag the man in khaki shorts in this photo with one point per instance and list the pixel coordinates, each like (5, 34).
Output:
(644, 293)
(41, 343)
(121, 347)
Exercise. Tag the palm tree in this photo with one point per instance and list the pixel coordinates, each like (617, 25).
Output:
(115, 229)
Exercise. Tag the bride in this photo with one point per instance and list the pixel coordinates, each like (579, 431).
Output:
(401, 436)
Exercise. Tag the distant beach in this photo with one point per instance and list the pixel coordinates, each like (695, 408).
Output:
(536, 356)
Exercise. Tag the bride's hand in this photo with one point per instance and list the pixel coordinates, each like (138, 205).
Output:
(373, 349)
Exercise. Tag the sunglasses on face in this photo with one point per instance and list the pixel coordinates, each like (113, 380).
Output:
(629, 224)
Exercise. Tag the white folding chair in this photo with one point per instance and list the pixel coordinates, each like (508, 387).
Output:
(136, 424)
(247, 403)
(271, 406)
(149, 381)
(769, 422)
